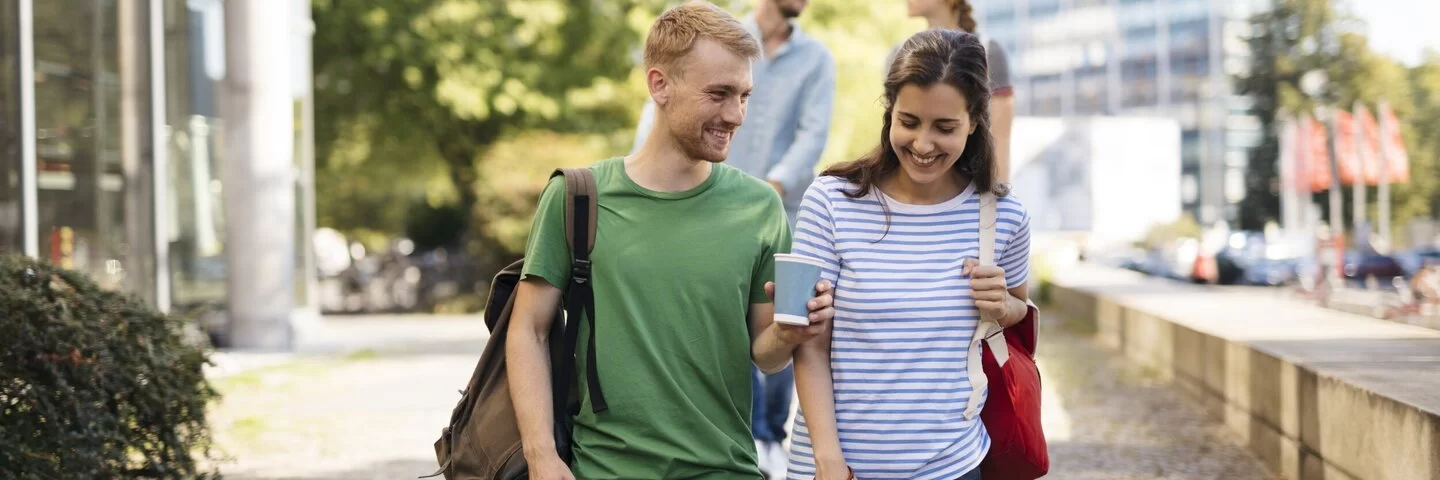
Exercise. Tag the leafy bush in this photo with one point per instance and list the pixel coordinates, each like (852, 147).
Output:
(94, 384)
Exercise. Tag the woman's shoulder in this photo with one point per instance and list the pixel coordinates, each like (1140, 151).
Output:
(831, 188)
(1011, 207)
(831, 182)
(1010, 201)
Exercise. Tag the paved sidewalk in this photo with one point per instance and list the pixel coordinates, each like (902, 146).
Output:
(363, 399)
(1108, 419)
(372, 407)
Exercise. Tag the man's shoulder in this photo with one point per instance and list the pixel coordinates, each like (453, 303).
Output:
(737, 182)
(602, 170)
(607, 166)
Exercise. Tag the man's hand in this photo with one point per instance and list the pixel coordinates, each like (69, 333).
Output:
(779, 188)
(550, 468)
(822, 311)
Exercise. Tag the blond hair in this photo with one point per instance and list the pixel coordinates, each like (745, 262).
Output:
(674, 34)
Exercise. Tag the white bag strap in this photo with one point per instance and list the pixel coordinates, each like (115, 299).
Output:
(989, 330)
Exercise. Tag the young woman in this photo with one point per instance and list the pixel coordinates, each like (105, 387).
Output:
(959, 15)
(884, 395)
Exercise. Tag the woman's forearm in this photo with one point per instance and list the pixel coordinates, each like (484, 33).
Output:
(816, 390)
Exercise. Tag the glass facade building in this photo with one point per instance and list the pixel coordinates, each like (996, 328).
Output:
(111, 147)
(1167, 58)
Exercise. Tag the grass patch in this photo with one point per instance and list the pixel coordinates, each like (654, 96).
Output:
(238, 381)
(248, 430)
(363, 354)
(276, 375)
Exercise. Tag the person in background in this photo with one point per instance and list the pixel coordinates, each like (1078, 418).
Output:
(960, 15)
(1425, 285)
(781, 142)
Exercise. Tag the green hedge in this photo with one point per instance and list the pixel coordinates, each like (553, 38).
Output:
(94, 384)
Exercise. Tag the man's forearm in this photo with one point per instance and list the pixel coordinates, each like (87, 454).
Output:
(769, 352)
(528, 371)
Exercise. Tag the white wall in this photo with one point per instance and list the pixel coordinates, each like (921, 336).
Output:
(1109, 178)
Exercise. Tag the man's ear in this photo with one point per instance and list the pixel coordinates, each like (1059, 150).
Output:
(659, 84)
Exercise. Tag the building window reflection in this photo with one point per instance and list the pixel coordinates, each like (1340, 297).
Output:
(92, 124)
(127, 186)
(194, 62)
(11, 226)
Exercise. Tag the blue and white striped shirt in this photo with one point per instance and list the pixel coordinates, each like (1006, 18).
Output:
(904, 318)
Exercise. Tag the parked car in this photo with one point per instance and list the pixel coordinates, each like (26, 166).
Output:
(1271, 272)
(1360, 266)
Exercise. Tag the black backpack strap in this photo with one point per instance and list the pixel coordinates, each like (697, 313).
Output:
(581, 209)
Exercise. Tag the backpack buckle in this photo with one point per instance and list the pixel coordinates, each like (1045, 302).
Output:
(580, 271)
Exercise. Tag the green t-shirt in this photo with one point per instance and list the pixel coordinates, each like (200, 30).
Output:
(674, 276)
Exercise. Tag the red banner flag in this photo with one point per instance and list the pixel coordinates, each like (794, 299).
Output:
(1397, 161)
(1314, 155)
(1345, 148)
(1369, 143)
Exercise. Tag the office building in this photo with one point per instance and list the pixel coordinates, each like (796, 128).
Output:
(112, 156)
(1166, 58)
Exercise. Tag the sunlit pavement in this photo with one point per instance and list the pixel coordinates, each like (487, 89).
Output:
(368, 396)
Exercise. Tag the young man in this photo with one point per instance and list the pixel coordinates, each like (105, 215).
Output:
(682, 259)
(781, 142)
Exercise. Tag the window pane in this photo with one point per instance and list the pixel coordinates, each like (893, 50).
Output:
(10, 221)
(1139, 79)
(92, 112)
(193, 55)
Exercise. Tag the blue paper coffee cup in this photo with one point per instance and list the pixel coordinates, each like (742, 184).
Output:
(795, 279)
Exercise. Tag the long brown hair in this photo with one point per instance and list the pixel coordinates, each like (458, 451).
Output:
(964, 14)
(928, 58)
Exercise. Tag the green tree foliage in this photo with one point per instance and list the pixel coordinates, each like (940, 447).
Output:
(425, 109)
(1421, 197)
(1286, 42)
(410, 91)
(1298, 36)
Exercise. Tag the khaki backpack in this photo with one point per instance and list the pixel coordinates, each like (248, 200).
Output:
(482, 440)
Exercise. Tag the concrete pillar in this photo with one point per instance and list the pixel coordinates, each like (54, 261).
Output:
(258, 185)
(29, 213)
(140, 229)
(303, 27)
(160, 159)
